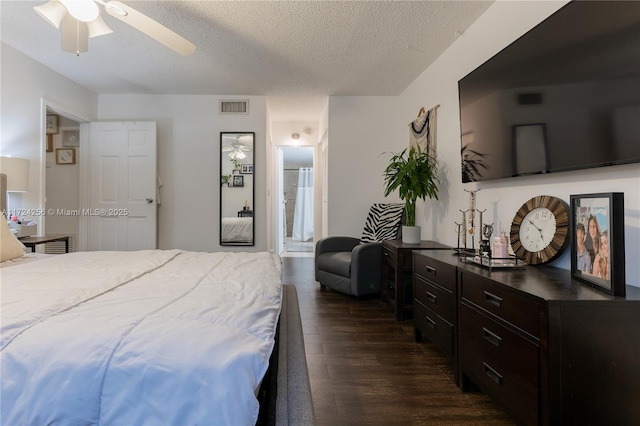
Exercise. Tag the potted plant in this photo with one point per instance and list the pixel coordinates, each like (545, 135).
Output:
(414, 174)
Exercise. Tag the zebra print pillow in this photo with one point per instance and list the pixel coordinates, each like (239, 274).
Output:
(382, 223)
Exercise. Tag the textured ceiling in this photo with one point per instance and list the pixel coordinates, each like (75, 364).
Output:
(272, 48)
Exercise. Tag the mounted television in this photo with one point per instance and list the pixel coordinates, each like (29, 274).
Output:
(564, 96)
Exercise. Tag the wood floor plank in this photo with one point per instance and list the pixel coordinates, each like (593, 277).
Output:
(366, 369)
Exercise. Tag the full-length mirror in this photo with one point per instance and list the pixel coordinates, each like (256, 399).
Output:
(236, 192)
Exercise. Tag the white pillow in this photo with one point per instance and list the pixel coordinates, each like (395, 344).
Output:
(10, 247)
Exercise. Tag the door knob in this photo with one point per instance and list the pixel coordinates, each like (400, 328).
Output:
(149, 200)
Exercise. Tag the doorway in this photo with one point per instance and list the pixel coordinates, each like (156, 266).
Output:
(297, 192)
(61, 161)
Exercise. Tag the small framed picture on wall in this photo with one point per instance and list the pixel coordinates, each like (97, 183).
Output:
(65, 156)
(52, 124)
(71, 138)
(238, 181)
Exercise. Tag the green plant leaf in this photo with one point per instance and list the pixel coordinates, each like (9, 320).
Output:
(414, 174)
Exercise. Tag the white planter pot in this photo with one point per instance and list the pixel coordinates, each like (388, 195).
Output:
(411, 234)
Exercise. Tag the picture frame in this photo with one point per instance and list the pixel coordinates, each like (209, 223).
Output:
(49, 143)
(65, 156)
(52, 124)
(597, 253)
(238, 181)
(71, 138)
(246, 169)
(530, 151)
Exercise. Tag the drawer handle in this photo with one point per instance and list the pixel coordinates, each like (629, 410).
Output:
(491, 337)
(431, 323)
(493, 374)
(431, 270)
(432, 297)
(493, 299)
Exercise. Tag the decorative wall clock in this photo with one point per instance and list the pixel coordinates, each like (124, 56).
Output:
(539, 230)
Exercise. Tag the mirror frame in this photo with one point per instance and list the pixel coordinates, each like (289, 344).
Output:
(224, 186)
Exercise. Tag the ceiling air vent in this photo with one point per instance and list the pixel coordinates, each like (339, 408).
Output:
(234, 106)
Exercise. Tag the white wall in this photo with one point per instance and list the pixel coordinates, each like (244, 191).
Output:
(189, 161)
(24, 83)
(361, 130)
(63, 186)
(495, 29)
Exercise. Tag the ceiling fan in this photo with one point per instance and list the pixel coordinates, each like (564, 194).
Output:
(80, 20)
(235, 146)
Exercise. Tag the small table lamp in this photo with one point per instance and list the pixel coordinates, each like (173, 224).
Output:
(17, 172)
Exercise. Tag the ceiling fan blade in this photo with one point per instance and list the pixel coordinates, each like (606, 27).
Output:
(98, 27)
(150, 27)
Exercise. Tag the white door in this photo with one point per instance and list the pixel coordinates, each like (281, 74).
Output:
(122, 210)
(280, 202)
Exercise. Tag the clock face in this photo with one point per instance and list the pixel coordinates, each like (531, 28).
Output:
(537, 229)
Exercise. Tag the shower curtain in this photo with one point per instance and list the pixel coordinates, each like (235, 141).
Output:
(303, 212)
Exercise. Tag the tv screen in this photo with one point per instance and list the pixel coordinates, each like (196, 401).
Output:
(564, 96)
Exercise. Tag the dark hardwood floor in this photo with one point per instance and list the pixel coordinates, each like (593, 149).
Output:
(366, 369)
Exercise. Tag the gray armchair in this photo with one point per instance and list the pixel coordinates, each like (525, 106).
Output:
(351, 265)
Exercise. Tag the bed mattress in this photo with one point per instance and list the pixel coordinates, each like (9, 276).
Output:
(149, 337)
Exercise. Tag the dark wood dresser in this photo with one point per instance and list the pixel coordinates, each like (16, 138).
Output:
(434, 302)
(549, 349)
(397, 272)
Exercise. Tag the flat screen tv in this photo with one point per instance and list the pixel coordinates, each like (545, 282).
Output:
(564, 96)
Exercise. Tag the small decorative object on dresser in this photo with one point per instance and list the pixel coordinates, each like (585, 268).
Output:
(65, 156)
(597, 256)
(539, 230)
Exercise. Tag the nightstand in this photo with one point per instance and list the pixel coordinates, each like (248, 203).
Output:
(32, 242)
(397, 271)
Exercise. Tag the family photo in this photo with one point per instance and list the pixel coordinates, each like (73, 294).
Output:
(592, 239)
(596, 234)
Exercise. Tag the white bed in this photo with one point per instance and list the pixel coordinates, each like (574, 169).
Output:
(236, 229)
(151, 337)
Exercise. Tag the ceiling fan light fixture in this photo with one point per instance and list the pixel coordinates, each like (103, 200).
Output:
(98, 27)
(75, 35)
(53, 12)
(82, 10)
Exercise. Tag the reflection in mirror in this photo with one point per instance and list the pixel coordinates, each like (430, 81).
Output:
(236, 191)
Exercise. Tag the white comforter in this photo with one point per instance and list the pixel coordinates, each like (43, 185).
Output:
(134, 338)
(237, 229)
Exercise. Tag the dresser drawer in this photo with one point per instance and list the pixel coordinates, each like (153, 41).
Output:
(515, 394)
(389, 256)
(436, 298)
(433, 270)
(497, 299)
(507, 350)
(434, 328)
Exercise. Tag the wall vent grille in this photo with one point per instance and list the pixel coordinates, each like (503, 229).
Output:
(235, 106)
